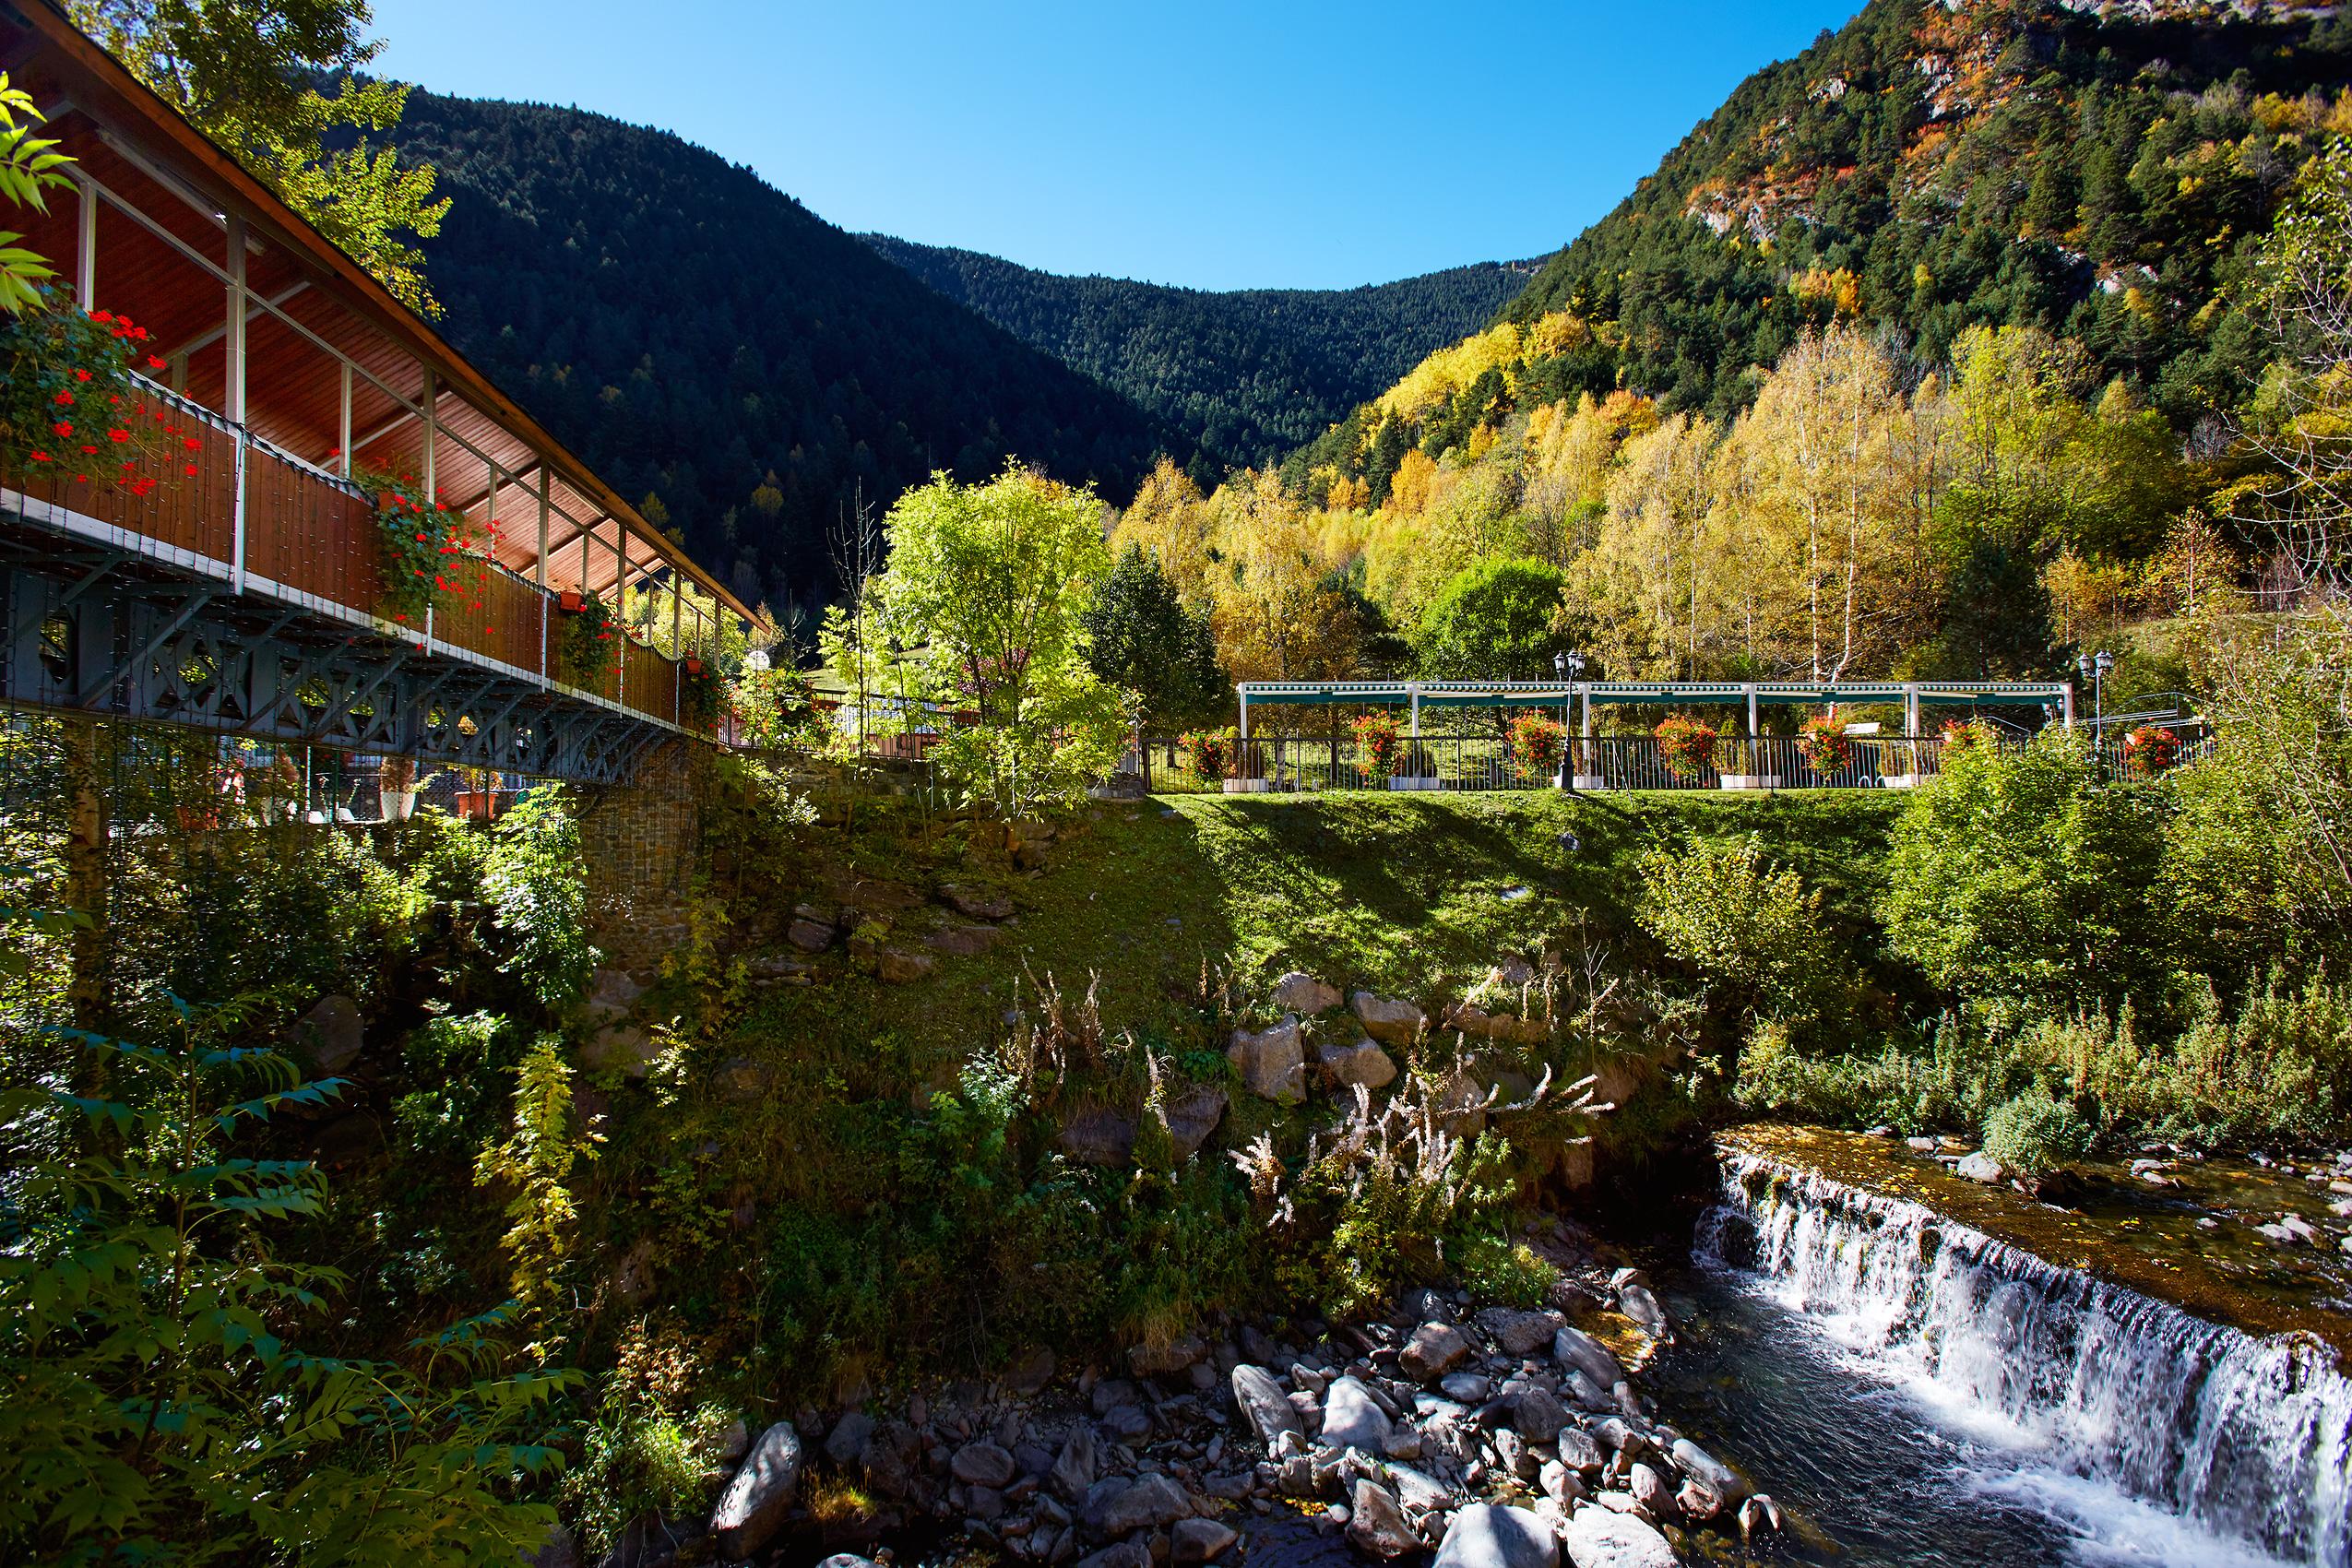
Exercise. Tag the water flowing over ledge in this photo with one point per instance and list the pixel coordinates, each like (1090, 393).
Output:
(2247, 1438)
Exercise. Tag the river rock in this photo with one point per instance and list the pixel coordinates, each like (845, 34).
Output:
(1759, 1513)
(1981, 1167)
(1199, 1540)
(1520, 1334)
(809, 935)
(1707, 1471)
(1600, 1537)
(1073, 1471)
(1376, 1524)
(1272, 1062)
(982, 1464)
(1417, 1491)
(1487, 1535)
(1635, 1301)
(849, 1437)
(1470, 1389)
(1166, 1360)
(1578, 1451)
(1363, 1063)
(1649, 1490)
(1571, 1347)
(1298, 991)
(1267, 1405)
(1100, 1136)
(1395, 1023)
(1352, 1420)
(1434, 1349)
(752, 1508)
(1120, 1554)
(1153, 1502)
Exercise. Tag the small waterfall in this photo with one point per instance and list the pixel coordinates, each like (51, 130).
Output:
(2248, 1439)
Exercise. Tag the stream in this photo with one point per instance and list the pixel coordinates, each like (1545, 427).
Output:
(1919, 1394)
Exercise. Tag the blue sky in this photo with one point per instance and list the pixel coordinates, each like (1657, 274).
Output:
(1212, 145)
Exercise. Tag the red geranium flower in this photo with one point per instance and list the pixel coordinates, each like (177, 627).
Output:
(81, 375)
(190, 442)
(62, 428)
(192, 470)
(155, 364)
(118, 436)
(65, 400)
(40, 457)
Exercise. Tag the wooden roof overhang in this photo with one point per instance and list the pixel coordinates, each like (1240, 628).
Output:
(337, 370)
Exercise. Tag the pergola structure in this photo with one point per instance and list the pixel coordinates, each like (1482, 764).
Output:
(242, 591)
(1754, 695)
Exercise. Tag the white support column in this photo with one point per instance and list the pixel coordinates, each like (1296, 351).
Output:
(86, 247)
(1414, 692)
(343, 428)
(1245, 717)
(2066, 695)
(432, 424)
(542, 535)
(1750, 688)
(234, 339)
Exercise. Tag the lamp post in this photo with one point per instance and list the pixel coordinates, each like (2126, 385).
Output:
(1567, 666)
(2094, 668)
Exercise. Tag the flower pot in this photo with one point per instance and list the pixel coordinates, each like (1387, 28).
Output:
(399, 805)
(694, 665)
(1245, 786)
(1751, 781)
(475, 805)
(571, 601)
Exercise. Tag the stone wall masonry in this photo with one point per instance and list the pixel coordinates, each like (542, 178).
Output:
(640, 840)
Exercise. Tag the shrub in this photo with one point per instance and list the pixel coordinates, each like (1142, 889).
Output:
(2034, 1133)
(1377, 738)
(2149, 750)
(1822, 741)
(1209, 753)
(1687, 745)
(536, 876)
(1536, 743)
(1717, 905)
(1499, 1269)
(636, 1460)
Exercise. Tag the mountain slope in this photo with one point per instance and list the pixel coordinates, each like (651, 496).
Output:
(704, 338)
(2099, 172)
(1248, 373)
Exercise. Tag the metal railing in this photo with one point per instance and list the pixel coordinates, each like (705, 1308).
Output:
(1474, 762)
(226, 503)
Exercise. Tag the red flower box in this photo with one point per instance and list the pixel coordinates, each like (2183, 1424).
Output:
(694, 665)
(570, 602)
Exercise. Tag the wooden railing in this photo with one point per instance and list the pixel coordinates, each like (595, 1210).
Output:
(304, 536)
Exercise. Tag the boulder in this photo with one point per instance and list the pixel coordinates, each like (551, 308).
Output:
(1487, 1535)
(849, 1437)
(1578, 1451)
(1151, 1503)
(1363, 1063)
(963, 941)
(1571, 1347)
(754, 1507)
(1395, 1023)
(1539, 1415)
(1120, 1554)
(1520, 1334)
(1164, 1361)
(1434, 1349)
(332, 1033)
(1982, 1166)
(810, 936)
(1470, 1389)
(1191, 1114)
(1262, 1401)
(1497, 1025)
(621, 1045)
(1636, 1300)
(1352, 1420)
(1073, 1470)
(1030, 1374)
(1649, 1490)
(1199, 1540)
(898, 967)
(1272, 1062)
(1100, 1136)
(1708, 1471)
(982, 1464)
(1376, 1524)
(1298, 991)
(1601, 1537)
(974, 903)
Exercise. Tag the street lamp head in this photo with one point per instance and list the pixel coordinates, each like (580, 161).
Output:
(2082, 663)
(1560, 665)
(2105, 662)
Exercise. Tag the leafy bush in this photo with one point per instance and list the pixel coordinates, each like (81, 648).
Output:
(1718, 906)
(1499, 1269)
(537, 879)
(2033, 1133)
(155, 1409)
(636, 1460)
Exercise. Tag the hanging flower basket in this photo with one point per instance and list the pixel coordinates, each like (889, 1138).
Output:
(694, 665)
(590, 646)
(1822, 742)
(2150, 750)
(698, 698)
(1686, 745)
(571, 601)
(1963, 735)
(1209, 753)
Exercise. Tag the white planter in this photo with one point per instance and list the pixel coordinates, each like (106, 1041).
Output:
(400, 804)
(1410, 781)
(1245, 786)
(1900, 781)
(1591, 783)
(1751, 781)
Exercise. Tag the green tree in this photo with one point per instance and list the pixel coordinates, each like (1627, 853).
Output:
(248, 75)
(1501, 619)
(2023, 876)
(1140, 635)
(28, 170)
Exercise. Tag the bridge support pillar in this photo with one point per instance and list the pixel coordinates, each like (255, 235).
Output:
(640, 840)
